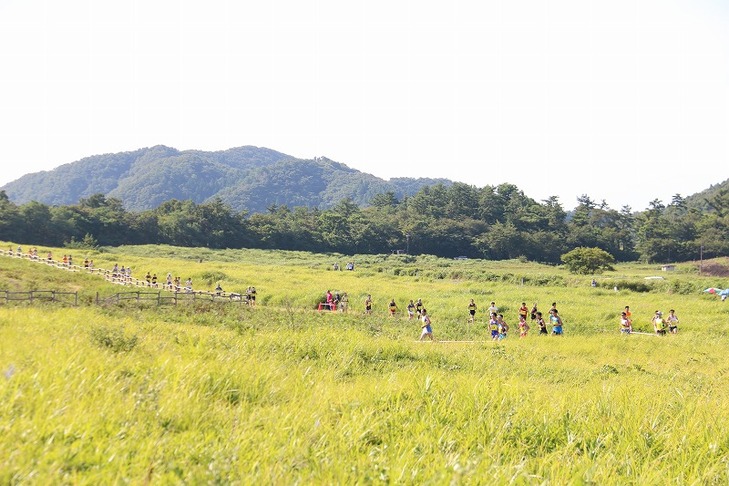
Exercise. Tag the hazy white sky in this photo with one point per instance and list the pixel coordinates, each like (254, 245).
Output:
(622, 100)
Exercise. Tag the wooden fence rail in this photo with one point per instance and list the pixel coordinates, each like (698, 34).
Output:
(171, 298)
(159, 291)
(34, 296)
(157, 298)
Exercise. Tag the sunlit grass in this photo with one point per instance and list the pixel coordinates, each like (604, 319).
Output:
(283, 394)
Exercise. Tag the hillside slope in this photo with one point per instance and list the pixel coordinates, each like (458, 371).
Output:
(246, 178)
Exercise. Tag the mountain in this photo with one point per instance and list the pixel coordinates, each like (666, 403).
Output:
(246, 178)
(699, 200)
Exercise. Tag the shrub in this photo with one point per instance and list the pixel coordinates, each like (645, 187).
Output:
(113, 339)
(87, 243)
(635, 286)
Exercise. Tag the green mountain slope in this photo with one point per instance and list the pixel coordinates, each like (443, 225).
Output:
(699, 200)
(246, 178)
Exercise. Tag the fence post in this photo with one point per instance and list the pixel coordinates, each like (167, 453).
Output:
(75, 298)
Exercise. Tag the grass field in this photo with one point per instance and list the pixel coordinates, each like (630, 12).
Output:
(283, 394)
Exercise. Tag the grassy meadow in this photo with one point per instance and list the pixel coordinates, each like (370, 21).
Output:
(284, 394)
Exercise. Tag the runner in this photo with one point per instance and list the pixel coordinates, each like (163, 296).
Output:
(556, 321)
(392, 306)
(523, 311)
(626, 326)
(533, 312)
(427, 330)
(503, 328)
(411, 309)
(494, 326)
(493, 309)
(344, 302)
(472, 311)
(672, 322)
(523, 326)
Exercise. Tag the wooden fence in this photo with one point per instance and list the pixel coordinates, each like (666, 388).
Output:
(36, 296)
(156, 298)
(171, 298)
(160, 292)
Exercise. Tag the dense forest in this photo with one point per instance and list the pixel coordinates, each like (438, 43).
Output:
(493, 222)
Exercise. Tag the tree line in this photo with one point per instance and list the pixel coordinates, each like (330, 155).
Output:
(493, 222)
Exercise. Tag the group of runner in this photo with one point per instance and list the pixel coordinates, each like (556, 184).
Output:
(171, 283)
(497, 324)
(499, 328)
(32, 254)
(661, 325)
(415, 310)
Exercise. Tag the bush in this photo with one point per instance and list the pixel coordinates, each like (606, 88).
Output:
(87, 243)
(629, 285)
(113, 339)
(489, 277)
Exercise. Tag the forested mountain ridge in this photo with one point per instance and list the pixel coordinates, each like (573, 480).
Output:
(703, 200)
(246, 178)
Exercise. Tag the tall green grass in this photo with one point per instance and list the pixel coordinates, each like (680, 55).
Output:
(328, 401)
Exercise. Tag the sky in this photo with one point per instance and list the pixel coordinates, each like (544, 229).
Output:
(625, 101)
